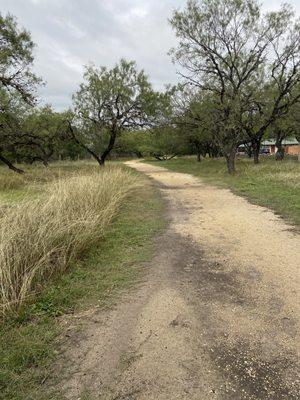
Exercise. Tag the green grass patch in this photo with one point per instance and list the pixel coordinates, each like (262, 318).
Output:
(15, 186)
(272, 184)
(28, 341)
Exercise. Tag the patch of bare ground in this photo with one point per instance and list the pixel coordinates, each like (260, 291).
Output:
(217, 316)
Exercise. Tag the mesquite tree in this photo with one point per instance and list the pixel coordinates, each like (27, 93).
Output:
(11, 112)
(108, 102)
(273, 101)
(16, 58)
(40, 135)
(281, 129)
(193, 113)
(232, 52)
(17, 82)
(28, 134)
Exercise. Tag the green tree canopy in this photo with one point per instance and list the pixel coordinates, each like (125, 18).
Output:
(109, 102)
(18, 85)
(16, 58)
(230, 50)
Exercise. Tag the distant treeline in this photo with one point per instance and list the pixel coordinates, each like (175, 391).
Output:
(240, 84)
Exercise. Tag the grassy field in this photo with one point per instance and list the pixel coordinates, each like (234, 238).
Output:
(40, 236)
(28, 338)
(272, 184)
(15, 187)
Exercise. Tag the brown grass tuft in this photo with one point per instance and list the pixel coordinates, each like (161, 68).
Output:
(39, 238)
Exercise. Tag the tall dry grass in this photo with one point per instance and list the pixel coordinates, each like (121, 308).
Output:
(39, 175)
(39, 238)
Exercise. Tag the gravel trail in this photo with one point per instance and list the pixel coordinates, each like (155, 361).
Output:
(217, 316)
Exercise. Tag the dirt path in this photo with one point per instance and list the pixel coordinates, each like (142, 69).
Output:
(216, 318)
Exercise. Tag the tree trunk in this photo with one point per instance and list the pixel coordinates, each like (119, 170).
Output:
(157, 157)
(248, 149)
(256, 157)
(111, 144)
(10, 165)
(139, 154)
(86, 148)
(45, 163)
(230, 160)
(198, 148)
(279, 156)
(256, 149)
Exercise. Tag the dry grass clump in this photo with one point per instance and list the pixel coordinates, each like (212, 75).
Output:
(39, 238)
(10, 180)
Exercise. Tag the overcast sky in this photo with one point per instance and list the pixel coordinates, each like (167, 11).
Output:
(72, 33)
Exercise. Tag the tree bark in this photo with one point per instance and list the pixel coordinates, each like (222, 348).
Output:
(45, 163)
(138, 154)
(248, 149)
(279, 156)
(256, 156)
(230, 160)
(10, 165)
(256, 143)
(198, 148)
(111, 144)
(91, 152)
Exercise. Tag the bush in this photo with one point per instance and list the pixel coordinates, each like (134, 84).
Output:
(39, 238)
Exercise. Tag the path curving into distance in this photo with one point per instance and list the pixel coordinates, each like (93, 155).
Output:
(217, 316)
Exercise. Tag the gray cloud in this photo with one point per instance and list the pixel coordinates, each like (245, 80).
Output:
(72, 33)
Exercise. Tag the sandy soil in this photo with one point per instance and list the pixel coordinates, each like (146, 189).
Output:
(217, 316)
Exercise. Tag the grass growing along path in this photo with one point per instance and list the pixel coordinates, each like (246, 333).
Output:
(28, 341)
(271, 184)
(15, 187)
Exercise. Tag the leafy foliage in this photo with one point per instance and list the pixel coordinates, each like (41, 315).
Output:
(240, 58)
(16, 58)
(110, 102)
